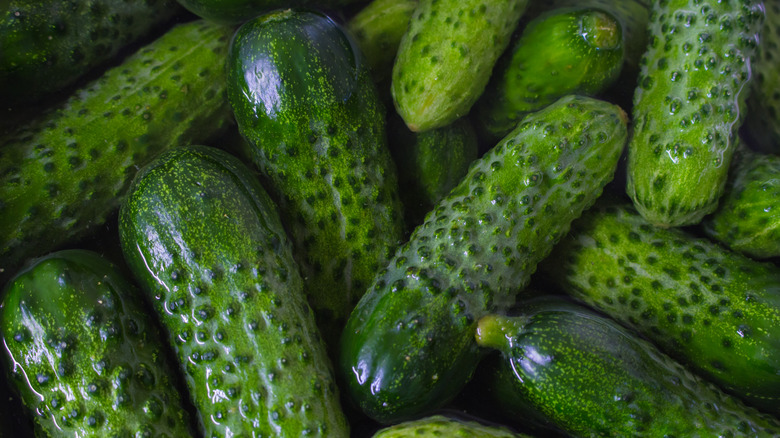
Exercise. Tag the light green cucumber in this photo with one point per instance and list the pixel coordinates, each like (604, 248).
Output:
(714, 310)
(66, 171)
(564, 51)
(444, 426)
(206, 243)
(688, 104)
(408, 346)
(446, 58)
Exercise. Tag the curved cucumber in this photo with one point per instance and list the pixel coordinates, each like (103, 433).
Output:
(763, 105)
(443, 426)
(589, 376)
(306, 103)
(688, 105)
(86, 357)
(408, 346)
(69, 169)
(446, 57)
(747, 219)
(46, 45)
(206, 242)
(714, 310)
(564, 51)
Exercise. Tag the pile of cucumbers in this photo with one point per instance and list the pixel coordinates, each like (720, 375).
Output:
(389, 218)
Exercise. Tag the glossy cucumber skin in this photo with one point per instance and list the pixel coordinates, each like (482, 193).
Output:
(688, 104)
(68, 170)
(587, 375)
(747, 219)
(763, 104)
(564, 51)
(408, 346)
(446, 57)
(305, 102)
(443, 426)
(378, 29)
(206, 242)
(46, 45)
(714, 310)
(430, 163)
(238, 11)
(85, 355)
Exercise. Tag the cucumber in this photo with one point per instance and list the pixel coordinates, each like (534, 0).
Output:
(430, 163)
(763, 105)
(688, 105)
(714, 310)
(444, 426)
(238, 11)
(304, 100)
(66, 171)
(563, 51)
(446, 57)
(207, 244)
(85, 355)
(378, 29)
(747, 218)
(408, 346)
(587, 375)
(49, 44)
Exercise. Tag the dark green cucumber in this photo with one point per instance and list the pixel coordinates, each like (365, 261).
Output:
(378, 29)
(430, 163)
(238, 11)
(443, 426)
(446, 57)
(714, 310)
(564, 51)
(69, 169)
(408, 347)
(46, 45)
(207, 244)
(748, 215)
(589, 376)
(305, 101)
(86, 357)
(688, 104)
(763, 105)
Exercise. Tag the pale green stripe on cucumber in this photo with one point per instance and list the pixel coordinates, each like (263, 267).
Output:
(435, 426)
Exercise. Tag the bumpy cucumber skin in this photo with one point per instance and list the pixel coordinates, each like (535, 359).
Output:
(86, 357)
(69, 169)
(748, 218)
(561, 52)
(688, 105)
(47, 45)
(589, 376)
(446, 57)
(305, 101)
(443, 426)
(408, 346)
(430, 163)
(207, 244)
(763, 105)
(378, 29)
(712, 309)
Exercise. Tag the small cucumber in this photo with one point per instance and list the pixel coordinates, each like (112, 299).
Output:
(68, 170)
(436, 426)
(688, 104)
(587, 375)
(763, 105)
(564, 51)
(238, 11)
(207, 244)
(408, 347)
(86, 357)
(46, 45)
(446, 57)
(714, 310)
(378, 29)
(748, 215)
(430, 163)
(305, 101)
